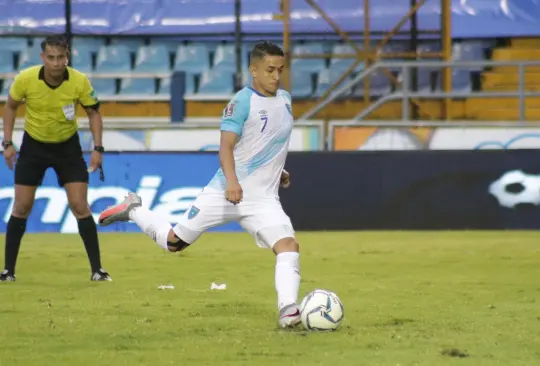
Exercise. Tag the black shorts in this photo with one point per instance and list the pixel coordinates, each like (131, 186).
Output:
(35, 157)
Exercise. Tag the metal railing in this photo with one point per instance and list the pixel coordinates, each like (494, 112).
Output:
(405, 94)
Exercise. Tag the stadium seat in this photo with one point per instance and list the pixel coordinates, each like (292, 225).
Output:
(13, 44)
(165, 86)
(6, 61)
(192, 58)
(216, 82)
(325, 80)
(461, 81)
(468, 51)
(138, 86)
(302, 84)
(90, 43)
(308, 65)
(113, 59)
(30, 57)
(6, 85)
(379, 84)
(342, 64)
(152, 59)
(132, 44)
(225, 57)
(104, 86)
(170, 44)
(81, 59)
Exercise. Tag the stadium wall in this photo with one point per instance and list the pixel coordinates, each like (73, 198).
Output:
(436, 189)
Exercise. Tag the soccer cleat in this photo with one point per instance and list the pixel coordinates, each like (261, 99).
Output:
(289, 316)
(100, 275)
(6, 276)
(121, 211)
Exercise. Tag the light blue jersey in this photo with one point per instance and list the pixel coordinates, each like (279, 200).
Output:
(263, 125)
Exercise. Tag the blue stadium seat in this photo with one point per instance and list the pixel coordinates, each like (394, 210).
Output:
(325, 80)
(216, 82)
(342, 64)
(6, 85)
(424, 79)
(132, 44)
(461, 81)
(302, 84)
(113, 59)
(469, 51)
(13, 44)
(104, 86)
(30, 57)
(6, 61)
(170, 44)
(138, 86)
(152, 59)
(225, 57)
(379, 84)
(164, 86)
(81, 59)
(308, 65)
(192, 58)
(92, 44)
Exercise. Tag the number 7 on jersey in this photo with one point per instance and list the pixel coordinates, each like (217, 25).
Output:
(264, 119)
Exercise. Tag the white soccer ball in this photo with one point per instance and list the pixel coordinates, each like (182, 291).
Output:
(321, 310)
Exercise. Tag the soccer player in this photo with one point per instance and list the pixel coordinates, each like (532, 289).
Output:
(255, 132)
(50, 92)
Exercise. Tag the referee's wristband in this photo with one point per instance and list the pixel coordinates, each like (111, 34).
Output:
(6, 144)
(99, 149)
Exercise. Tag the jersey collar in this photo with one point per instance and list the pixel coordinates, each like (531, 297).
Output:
(42, 77)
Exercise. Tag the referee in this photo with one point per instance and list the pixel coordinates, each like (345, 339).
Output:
(51, 92)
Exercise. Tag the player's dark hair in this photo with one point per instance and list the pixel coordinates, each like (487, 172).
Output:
(266, 48)
(55, 41)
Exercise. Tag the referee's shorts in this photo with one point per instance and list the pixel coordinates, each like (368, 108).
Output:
(35, 157)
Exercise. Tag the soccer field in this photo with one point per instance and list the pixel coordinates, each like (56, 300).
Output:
(429, 298)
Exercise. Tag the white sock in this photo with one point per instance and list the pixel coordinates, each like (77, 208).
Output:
(287, 278)
(152, 225)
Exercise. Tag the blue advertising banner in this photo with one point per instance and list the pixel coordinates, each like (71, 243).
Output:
(168, 183)
(359, 190)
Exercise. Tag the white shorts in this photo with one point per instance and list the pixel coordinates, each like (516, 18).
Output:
(263, 218)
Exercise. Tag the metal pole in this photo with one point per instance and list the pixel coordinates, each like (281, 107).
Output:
(413, 44)
(238, 44)
(68, 30)
(286, 46)
(521, 86)
(405, 96)
(446, 23)
(367, 48)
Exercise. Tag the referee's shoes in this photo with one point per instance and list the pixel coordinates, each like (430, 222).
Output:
(101, 275)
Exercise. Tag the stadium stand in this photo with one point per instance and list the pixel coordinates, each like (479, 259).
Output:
(210, 65)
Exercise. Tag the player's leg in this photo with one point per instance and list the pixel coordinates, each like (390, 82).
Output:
(72, 174)
(272, 228)
(29, 173)
(185, 233)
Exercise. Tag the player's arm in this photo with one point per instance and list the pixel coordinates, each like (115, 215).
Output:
(232, 125)
(90, 103)
(16, 97)
(226, 155)
(10, 114)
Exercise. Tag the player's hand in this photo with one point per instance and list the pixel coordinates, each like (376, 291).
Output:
(233, 192)
(96, 159)
(285, 179)
(10, 156)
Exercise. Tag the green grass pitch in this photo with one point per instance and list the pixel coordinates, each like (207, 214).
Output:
(410, 298)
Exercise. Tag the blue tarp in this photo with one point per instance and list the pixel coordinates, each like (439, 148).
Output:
(470, 18)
